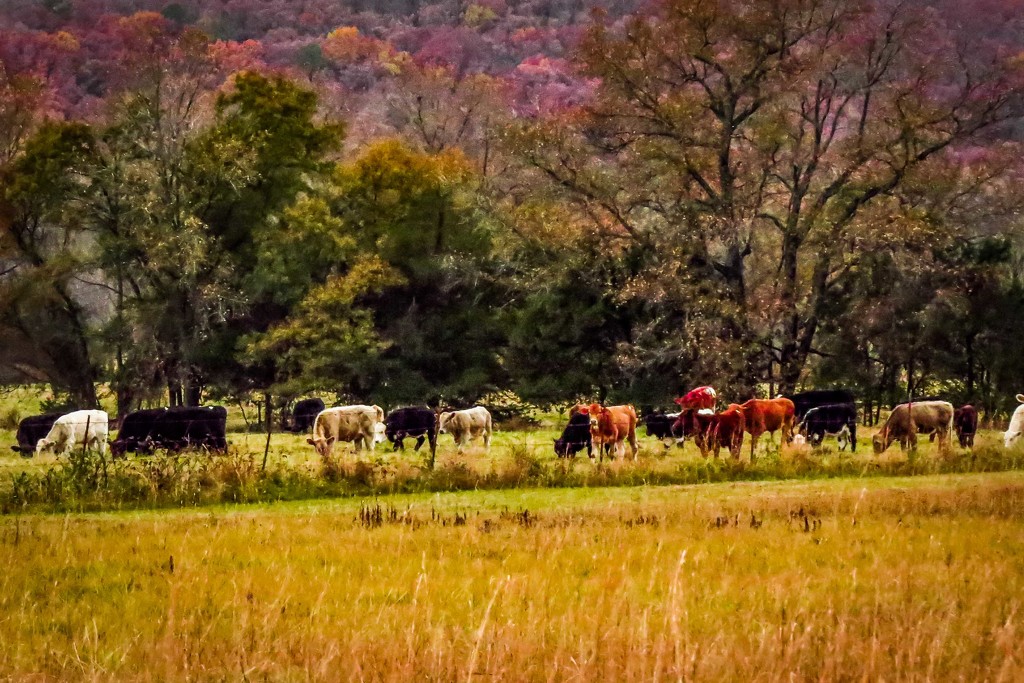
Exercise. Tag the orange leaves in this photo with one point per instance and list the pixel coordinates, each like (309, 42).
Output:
(347, 45)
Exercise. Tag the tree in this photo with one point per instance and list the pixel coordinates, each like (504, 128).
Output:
(43, 252)
(768, 139)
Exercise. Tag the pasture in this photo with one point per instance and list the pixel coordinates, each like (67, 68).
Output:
(883, 578)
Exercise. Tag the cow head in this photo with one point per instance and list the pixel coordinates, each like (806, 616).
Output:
(881, 441)
(44, 445)
(379, 433)
(322, 445)
(442, 422)
(561, 448)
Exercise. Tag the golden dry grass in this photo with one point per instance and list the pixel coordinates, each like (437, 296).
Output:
(915, 578)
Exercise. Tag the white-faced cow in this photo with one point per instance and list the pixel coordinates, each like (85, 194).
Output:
(907, 420)
(464, 425)
(1016, 428)
(88, 427)
(363, 425)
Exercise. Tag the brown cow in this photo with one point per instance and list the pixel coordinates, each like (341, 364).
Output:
(699, 424)
(907, 420)
(965, 423)
(612, 425)
(767, 415)
(728, 431)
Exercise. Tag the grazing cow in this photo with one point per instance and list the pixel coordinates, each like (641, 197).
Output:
(575, 437)
(88, 427)
(965, 422)
(358, 423)
(659, 425)
(172, 429)
(464, 425)
(907, 420)
(768, 415)
(30, 430)
(838, 419)
(805, 400)
(416, 421)
(698, 399)
(1016, 428)
(304, 414)
(611, 426)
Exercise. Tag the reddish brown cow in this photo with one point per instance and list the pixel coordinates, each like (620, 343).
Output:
(698, 399)
(612, 425)
(698, 424)
(768, 415)
(729, 427)
(712, 430)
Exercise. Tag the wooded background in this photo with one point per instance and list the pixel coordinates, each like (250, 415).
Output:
(423, 202)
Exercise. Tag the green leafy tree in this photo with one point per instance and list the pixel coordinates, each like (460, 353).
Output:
(45, 251)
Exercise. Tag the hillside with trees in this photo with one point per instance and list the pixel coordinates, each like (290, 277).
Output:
(431, 202)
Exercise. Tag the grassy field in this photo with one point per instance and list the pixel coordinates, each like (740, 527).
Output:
(884, 578)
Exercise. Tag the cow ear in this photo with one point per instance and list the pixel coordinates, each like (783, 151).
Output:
(311, 442)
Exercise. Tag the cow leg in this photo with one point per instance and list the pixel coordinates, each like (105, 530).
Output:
(419, 441)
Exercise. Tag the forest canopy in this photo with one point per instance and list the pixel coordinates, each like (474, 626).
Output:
(431, 202)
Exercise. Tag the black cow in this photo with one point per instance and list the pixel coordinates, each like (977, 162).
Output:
(965, 422)
(575, 437)
(839, 419)
(806, 400)
(304, 414)
(659, 425)
(172, 429)
(417, 421)
(33, 428)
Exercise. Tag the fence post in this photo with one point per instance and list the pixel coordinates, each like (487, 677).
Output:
(270, 424)
(85, 439)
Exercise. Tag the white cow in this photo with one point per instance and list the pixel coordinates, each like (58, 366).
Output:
(70, 430)
(361, 424)
(464, 425)
(1016, 428)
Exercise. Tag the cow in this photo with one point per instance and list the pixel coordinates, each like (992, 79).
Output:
(697, 399)
(414, 421)
(575, 437)
(465, 425)
(965, 423)
(768, 415)
(696, 423)
(611, 426)
(30, 430)
(304, 414)
(87, 427)
(728, 431)
(172, 429)
(907, 420)
(1016, 428)
(361, 424)
(838, 419)
(805, 400)
(659, 425)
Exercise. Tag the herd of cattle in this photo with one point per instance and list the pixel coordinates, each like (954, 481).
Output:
(806, 417)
